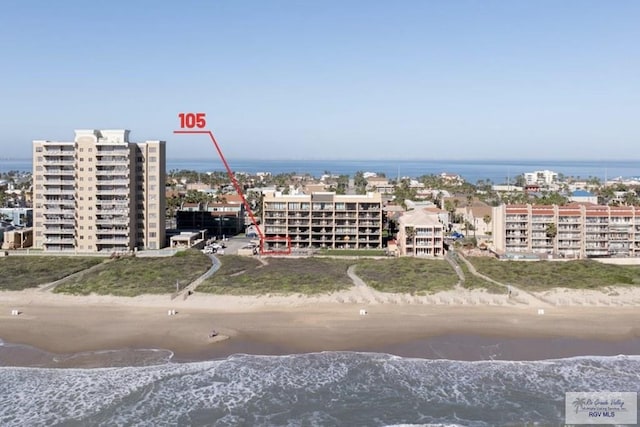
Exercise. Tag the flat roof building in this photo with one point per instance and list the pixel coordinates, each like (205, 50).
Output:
(99, 193)
(322, 220)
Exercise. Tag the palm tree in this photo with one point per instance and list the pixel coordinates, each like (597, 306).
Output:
(410, 232)
(552, 230)
(487, 219)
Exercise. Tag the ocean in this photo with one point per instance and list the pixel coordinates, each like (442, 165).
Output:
(315, 389)
(498, 171)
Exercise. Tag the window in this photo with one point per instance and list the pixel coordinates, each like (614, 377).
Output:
(91, 227)
(152, 234)
(152, 159)
(81, 169)
(38, 149)
(152, 149)
(81, 149)
(152, 188)
(152, 225)
(152, 177)
(38, 168)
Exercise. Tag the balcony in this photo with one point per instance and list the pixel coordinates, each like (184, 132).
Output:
(67, 182)
(113, 220)
(111, 160)
(113, 172)
(60, 241)
(59, 220)
(59, 211)
(112, 231)
(116, 191)
(112, 240)
(59, 172)
(62, 161)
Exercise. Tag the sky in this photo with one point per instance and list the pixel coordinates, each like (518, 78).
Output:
(281, 79)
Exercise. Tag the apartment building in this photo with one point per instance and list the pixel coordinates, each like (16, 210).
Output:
(99, 193)
(421, 234)
(572, 231)
(219, 219)
(322, 220)
(544, 178)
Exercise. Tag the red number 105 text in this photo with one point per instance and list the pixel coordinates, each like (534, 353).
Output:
(192, 120)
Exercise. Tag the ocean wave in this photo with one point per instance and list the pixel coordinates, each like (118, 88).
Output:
(328, 388)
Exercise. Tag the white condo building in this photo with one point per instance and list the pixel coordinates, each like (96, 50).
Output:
(99, 193)
(545, 177)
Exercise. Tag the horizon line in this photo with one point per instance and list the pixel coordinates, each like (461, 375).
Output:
(483, 159)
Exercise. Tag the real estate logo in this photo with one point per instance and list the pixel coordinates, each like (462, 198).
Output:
(604, 407)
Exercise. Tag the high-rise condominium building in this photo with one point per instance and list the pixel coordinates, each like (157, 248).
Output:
(99, 193)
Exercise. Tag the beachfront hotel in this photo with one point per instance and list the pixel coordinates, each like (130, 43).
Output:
(322, 220)
(99, 193)
(572, 231)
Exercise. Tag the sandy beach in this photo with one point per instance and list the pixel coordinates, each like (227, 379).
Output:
(454, 324)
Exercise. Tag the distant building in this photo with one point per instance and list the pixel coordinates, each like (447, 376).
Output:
(543, 178)
(18, 238)
(99, 193)
(219, 219)
(582, 196)
(20, 217)
(452, 178)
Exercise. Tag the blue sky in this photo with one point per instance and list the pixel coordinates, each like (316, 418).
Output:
(330, 79)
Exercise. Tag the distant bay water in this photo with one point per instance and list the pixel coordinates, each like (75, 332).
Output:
(498, 171)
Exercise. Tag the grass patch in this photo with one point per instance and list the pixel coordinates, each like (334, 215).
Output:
(132, 276)
(407, 275)
(352, 252)
(22, 272)
(544, 275)
(281, 276)
(474, 282)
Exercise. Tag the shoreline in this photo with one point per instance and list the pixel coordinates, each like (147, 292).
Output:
(65, 325)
